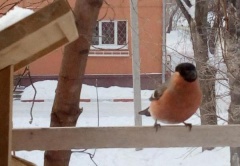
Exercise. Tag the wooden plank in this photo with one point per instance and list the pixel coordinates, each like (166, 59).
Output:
(37, 35)
(17, 161)
(64, 23)
(27, 47)
(125, 137)
(6, 83)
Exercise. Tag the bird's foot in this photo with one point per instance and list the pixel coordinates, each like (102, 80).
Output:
(189, 125)
(156, 125)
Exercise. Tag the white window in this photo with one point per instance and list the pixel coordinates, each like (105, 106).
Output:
(110, 35)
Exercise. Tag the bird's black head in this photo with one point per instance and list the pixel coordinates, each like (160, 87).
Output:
(187, 71)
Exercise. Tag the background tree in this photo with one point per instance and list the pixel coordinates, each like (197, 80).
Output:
(65, 111)
(223, 28)
(230, 29)
(200, 35)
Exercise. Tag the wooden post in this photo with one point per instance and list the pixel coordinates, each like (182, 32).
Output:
(6, 83)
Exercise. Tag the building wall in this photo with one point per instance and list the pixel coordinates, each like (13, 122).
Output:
(150, 33)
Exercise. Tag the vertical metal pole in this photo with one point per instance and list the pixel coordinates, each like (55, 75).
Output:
(135, 61)
(235, 160)
(163, 41)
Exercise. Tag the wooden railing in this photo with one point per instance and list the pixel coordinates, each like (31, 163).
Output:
(125, 137)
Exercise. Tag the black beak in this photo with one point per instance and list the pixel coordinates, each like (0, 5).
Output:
(193, 75)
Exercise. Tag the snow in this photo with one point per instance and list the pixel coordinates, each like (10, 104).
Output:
(117, 114)
(46, 92)
(13, 16)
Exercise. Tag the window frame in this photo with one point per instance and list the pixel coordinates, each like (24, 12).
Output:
(111, 46)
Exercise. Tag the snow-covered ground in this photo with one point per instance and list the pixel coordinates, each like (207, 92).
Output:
(116, 114)
(113, 114)
(88, 92)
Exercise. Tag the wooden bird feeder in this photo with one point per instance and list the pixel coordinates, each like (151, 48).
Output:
(23, 43)
(37, 35)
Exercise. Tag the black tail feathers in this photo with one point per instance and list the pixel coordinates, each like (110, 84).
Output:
(145, 112)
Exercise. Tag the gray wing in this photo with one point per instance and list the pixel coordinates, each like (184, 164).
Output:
(155, 96)
(158, 92)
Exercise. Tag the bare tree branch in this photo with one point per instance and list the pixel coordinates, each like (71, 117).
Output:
(169, 28)
(184, 11)
(8, 6)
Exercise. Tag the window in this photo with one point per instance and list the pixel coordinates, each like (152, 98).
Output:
(110, 35)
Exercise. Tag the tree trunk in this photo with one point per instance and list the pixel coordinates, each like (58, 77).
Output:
(65, 111)
(234, 108)
(200, 37)
(207, 77)
(233, 65)
(232, 61)
(207, 73)
(208, 108)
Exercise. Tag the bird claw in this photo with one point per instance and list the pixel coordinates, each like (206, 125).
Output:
(189, 125)
(156, 125)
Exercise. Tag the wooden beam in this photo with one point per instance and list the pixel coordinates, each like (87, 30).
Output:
(63, 33)
(125, 137)
(6, 83)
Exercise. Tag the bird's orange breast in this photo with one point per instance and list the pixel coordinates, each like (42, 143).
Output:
(178, 102)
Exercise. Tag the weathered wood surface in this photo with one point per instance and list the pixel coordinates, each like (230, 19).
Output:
(6, 88)
(17, 161)
(125, 137)
(37, 35)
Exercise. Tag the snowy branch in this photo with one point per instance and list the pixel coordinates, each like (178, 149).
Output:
(184, 10)
(169, 28)
(190, 7)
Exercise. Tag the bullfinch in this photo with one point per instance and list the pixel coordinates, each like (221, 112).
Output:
(176, 100)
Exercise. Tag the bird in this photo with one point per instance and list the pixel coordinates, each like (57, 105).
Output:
(177, 99)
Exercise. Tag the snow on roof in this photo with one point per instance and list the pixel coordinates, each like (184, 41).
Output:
(13, 16)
